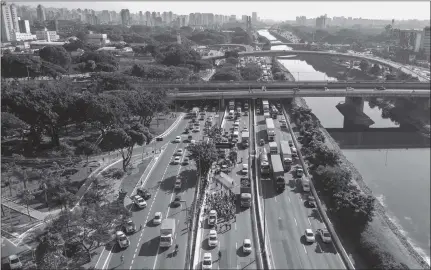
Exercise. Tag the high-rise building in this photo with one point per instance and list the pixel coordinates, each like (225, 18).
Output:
(426, 41)
(141, 17)
(9, 21)
(125, 17)
(321, 22)
(148, 18)
(47, 35)
(41, 13)
(254, 17)
(24, 26)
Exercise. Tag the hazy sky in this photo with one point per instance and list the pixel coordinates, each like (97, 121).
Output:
(276, 10)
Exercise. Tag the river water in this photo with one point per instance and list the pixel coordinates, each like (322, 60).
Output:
(399, 178)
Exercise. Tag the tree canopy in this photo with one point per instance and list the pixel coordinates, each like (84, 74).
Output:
(56, 55)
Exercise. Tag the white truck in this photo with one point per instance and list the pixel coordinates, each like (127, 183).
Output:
(231, 105)
(270, 128)
(286, 155)
(265, 105)
(273, 148)
(167, 232)
(245, 138)
(264, 163)
(305, 183)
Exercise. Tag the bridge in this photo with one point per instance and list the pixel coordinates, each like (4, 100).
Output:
(234, 93)
(349, 56)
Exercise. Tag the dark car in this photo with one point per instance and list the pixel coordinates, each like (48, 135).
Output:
(380, 88)
(186, 131)
(177, 201)
(311, 201)
(144, 193)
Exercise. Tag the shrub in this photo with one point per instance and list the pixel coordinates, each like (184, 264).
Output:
(115, 173)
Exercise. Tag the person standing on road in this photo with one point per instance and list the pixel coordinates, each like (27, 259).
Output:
(219, 254)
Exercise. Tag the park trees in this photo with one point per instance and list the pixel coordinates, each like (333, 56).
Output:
(87, 149)
(364, 66)
(251, 72)
(56, 55)
(204, 154)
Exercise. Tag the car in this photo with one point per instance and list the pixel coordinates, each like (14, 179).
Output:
(349, 88)
(212, 218)
(129, 226)
(244, 169)
(214, 109)
(245, 129)
(212, 240)
(246, 246)
(258, 111)
(245, 113)
(196, 129)
(139, 201)
(261, 142)
(325, 88)
(189, 138)
(122, 239)
(299, 172)
(177, 183)
(179, 152)
(224, 140)
(295, 89)
(311, 201)
(186, 131)
(157, 219)
(177, 160)
(325, 235)
(207, 262)
(192, 142)
(236, 124)
(177, 201)
(178, 139)
(144, 193)
(235, 129)
(309, 236)
(380, 88)
(186, 161)
(202, 117)
(14, 262)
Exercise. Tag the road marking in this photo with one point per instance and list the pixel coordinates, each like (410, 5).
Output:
(309, 222)
(288, 198)
(235, 226)
(275, 198)
(295, 222)
(304, 249)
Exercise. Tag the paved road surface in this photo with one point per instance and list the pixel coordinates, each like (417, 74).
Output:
(287, 217)
(230, 240)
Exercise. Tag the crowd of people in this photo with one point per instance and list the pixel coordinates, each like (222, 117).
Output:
(224, 202)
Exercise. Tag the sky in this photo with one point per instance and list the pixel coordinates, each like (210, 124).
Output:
(275, 10)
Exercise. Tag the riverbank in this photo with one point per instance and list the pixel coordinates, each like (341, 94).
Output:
(286, 72)
(382, 232)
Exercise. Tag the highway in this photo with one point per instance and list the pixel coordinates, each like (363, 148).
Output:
(143, 251)
(234, 93)
(231, 239)
(287, 217)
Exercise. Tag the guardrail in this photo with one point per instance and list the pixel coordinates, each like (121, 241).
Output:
(322, 213)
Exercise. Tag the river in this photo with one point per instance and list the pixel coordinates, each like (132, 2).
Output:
(399, 178)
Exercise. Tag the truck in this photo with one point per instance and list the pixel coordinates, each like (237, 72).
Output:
(286, 155)
(273, 148)
(264, 163)
(167, 232)
(231, 105)
(265, 105)
(266, 115)
(278, 172)
(195, 112)
(289, 139)
(245, 138)
(245, 192)
(305, 183)
(270, 128)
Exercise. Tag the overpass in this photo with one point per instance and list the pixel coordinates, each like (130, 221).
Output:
(233, 93)
(348, 56)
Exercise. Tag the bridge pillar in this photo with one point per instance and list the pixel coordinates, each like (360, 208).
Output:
(358, 102)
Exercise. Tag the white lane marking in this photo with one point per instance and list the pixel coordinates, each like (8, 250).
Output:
(275, 198)
(288, 198)
(309, 222)
(304, 249)
(235, 226)
(295, 222)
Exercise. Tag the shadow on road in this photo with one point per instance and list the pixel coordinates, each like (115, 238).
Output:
(167, 184)
(268, 190)
(240, 252)
(304, 242)
(324, 247)
(206, 246)
(315, 214)
(150, 247)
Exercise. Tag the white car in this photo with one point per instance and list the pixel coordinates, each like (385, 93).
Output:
(179, 152)
(178, 139)
(177, 160)
(193, 142)
(236, 129)
(246, 246)
(309, 236)
(324, 235)
(207, 262)
(122, 239)
(212, 218)
(299, 172)
(139, 201)
(177, 183)
(212, 240)
(157, 218)
(244, 169)
(236, 124)
(196, 129)
(350, 88)
(14, 262)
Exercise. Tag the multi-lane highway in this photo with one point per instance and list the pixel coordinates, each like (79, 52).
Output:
(144, 251)
(231, 238)
(287, 218)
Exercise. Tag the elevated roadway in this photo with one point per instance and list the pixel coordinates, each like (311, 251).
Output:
(302, 93)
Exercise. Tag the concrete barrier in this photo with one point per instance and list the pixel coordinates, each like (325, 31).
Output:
(335, 238)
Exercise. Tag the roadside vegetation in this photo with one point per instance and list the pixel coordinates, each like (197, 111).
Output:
(350, 208)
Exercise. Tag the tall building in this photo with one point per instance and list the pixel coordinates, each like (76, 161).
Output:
(141, 17)
(321, 22)
(125, 17)
(254, 17)
(9, 21)
(41, 13)
(148, 18)
(24, 26)
(47, 35)
(426, 41)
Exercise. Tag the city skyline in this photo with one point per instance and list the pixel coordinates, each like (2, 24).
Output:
(265, 10)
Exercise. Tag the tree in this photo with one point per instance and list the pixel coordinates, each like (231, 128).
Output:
(233, 156)
(332, 179)
(49, 251)
(232, 60)
(375, 70)
(19, 66)
(90, 65)
(204, 154)
(364, 65)
(228, 73)
(87, 149)
(10, 125)
(56, 55)
(28, 197)
(124, 139)
(215, 133)
(251, 72)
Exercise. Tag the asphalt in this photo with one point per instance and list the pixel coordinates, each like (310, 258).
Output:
(144, 251)
(287, 217)
(231, 239)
